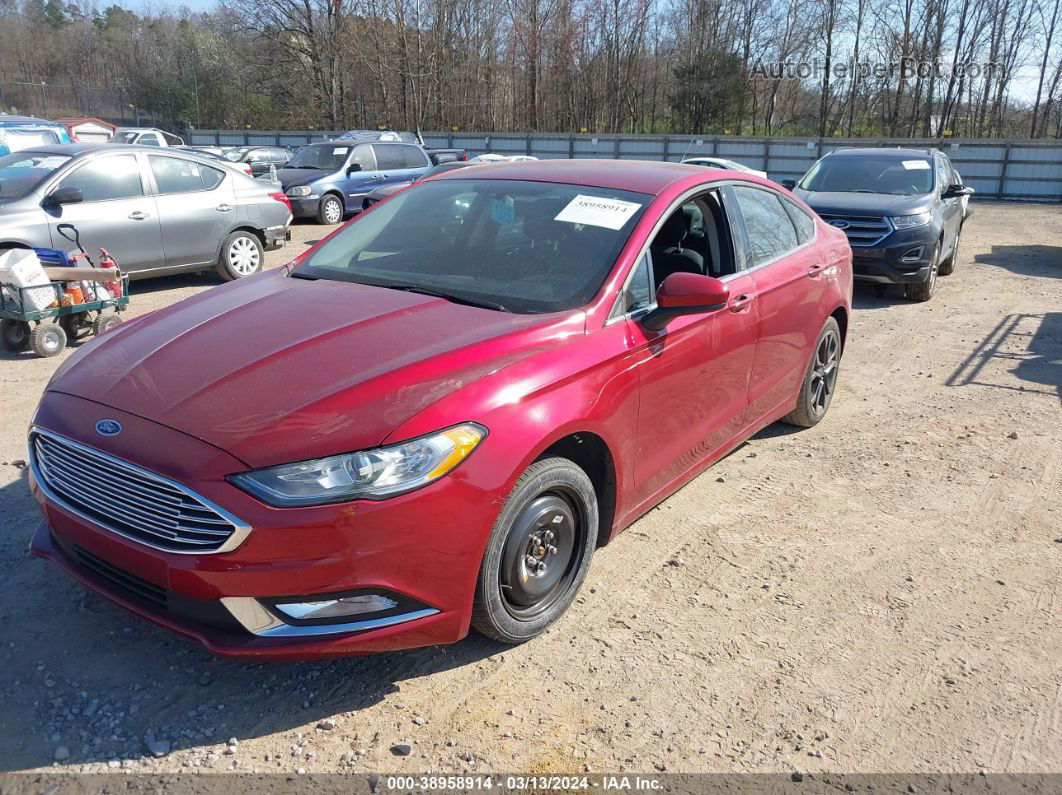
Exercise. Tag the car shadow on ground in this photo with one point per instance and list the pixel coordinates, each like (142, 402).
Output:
(87, 677)
(1026, 260)
(1028, 347)
(877, 296)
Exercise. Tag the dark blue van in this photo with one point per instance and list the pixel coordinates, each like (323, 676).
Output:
(23, 132)
(328, 180)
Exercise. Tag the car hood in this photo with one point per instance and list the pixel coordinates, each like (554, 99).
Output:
(273, 369)
(290, 177)
(877, 204)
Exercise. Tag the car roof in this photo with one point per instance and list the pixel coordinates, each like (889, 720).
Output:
(898, 153)
(74, 150)
(640, 176)
(4, 118)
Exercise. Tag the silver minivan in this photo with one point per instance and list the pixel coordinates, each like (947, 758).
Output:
(156, 211)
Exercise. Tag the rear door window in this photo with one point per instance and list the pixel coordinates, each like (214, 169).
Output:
(804, 223)
(107, 178)
(414, 157)
(389, 158)
(771, 232)
(177, 175)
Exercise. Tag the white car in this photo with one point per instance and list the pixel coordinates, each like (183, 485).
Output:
(726, 165)
(491, 157)
(145, 136)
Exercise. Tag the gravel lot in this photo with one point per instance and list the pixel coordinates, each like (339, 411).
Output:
(880, 593)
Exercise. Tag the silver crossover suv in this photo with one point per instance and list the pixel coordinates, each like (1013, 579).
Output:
(156, 211)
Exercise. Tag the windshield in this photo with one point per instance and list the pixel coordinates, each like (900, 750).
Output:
(234, 155)
(125, 137)
(524, 247)
(328, 157)
(889, 175)
(20, 173)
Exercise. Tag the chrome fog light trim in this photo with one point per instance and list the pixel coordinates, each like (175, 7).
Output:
(257, 620)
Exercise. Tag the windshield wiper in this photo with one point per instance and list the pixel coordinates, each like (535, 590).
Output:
(457, 299)
(297, 274)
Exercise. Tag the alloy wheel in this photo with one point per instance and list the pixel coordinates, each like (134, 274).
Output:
(824, 371)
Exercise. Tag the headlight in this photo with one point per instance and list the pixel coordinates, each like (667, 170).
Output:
(911, 221)
(299, 190)
(371, 474)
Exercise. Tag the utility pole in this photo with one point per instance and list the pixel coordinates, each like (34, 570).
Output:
(44, 97)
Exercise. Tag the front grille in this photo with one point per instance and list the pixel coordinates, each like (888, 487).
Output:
(130, 501)
(123, 580)
(862, 230)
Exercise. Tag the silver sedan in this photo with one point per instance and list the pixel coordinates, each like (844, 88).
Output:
(157, 212)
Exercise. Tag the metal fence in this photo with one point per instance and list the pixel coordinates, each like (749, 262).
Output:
(996, 169)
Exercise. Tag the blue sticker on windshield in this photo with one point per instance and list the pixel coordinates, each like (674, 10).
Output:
(503, 210)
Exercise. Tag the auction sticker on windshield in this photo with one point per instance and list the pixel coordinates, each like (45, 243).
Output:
(915, 164)
(595, 211)
(340, 151)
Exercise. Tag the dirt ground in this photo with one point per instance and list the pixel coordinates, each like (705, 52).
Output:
(881, 593)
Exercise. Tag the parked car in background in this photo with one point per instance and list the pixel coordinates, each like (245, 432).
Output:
(443, 408)
(439, 156)
(378, 195)
(328, 180)
(156, 212)
(145, 136)
(23, 132)
(900, 208)
(723, 163)
(259, 158)
(493, 157)
(379, 135)
(243, 168)
(966, 198)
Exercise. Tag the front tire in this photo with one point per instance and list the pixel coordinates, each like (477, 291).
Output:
(330, 210)
(538, 553)
(923, 291)
(820, 381)
(241, 256)
(48, 339)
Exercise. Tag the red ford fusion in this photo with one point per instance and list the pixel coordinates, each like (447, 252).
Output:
(430, 420)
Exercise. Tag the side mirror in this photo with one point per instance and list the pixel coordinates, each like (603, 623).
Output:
(66, 196)
(788, 184)
(686, 294)
(955, 191)
(353, 168)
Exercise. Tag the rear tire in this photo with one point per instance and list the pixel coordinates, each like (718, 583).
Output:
(947, 267)
(105, 323)
(538, 553)
(820, 381)
(241, 256)
(923, 291)
(16, 334)
(330, 210)
(48, 339)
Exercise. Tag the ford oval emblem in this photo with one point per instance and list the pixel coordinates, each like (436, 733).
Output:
(108, 427)
(840, 224)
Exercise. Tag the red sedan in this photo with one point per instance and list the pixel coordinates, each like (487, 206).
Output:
(432, 418)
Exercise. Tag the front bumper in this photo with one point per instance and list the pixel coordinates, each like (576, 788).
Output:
(224, 600)
(304, 207)
(891, 261)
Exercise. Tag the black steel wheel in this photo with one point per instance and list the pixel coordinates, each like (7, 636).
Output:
(16, 334)
(820, 380)
(538, 553)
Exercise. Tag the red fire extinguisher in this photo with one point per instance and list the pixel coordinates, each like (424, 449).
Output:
(107, 261)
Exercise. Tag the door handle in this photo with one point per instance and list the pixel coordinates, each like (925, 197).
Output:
(223, 208)
(138, 215)
(816, 269)
(740, 303)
